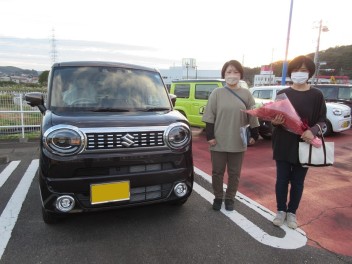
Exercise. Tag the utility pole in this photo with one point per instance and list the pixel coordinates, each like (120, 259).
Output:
(316, 55)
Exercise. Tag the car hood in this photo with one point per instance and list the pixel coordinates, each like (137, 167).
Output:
(338, 106)
(113, 120)
(259, 102)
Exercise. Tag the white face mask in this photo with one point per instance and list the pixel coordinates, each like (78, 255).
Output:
(299, 77)
(232, 80)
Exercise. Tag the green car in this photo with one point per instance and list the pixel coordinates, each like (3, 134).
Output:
(192, 97)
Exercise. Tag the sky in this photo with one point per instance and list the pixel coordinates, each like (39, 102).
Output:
(160, 33)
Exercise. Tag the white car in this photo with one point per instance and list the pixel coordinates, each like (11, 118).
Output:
(338, 115)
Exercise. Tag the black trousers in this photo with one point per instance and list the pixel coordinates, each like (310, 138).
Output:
(289, 174)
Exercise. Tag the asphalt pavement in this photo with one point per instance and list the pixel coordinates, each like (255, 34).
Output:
(192, 233)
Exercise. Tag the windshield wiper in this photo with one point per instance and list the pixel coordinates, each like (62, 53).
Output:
(109, 109)
(151, 109)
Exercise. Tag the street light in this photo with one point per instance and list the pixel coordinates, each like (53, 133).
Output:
(187, 66)
(316, 56)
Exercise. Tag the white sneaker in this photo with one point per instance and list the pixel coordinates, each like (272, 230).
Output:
(279, 218)
(291, 220)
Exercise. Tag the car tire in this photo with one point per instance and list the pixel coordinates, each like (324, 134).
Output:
(265, 129)
(179, 202)
(327, 130)
(49, 218)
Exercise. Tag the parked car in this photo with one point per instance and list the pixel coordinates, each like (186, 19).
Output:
(338, 115)
(337, 93)
(192, 97)
(120, 144)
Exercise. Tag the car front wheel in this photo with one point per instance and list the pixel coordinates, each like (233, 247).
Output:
(327, 130)
(265, 129)
(49, 218)
(178, 202)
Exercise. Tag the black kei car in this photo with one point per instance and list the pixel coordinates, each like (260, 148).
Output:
(110, 138)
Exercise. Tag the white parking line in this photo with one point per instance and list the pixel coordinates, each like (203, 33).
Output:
(293, 239)
(5, 174)
(10, 214)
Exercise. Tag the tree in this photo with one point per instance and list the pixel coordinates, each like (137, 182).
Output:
(43, 77)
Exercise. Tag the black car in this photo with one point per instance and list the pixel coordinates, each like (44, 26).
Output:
(338, 93)
(110, 138)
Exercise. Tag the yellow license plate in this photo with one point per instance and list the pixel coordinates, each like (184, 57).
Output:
(345, 124)
(109, 192)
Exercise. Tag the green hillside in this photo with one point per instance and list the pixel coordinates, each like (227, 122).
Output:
(338, 62)
(10, 70)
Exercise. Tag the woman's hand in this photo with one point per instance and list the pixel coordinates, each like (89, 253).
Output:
(307, 136)
(251, 141)
(278, 120)
(212, 142)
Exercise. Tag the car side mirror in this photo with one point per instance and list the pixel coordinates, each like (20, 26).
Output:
(36, 99)
(173, 99)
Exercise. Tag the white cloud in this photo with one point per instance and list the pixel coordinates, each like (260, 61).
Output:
(160, 33)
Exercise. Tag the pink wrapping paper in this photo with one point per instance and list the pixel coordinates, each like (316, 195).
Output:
(292, 122)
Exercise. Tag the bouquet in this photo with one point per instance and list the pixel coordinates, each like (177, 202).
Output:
(282, 105)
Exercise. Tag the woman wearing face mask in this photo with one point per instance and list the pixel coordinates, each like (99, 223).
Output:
(310, 105)
(225, 120)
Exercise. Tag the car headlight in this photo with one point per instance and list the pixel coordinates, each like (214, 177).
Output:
(177, 136)
(64, 140)
(337, 112)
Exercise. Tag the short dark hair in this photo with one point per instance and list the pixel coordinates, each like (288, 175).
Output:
(297, 62)
(235, 64)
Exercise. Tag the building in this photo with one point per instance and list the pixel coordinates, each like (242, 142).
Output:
(184, 73)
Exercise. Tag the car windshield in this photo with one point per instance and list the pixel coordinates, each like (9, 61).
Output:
(345, 93)
(107, 89)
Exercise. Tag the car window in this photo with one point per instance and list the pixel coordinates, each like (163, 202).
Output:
(94, 88)
(264, 94)
(345, 93)
(182, 90)
(202, 91)
(329, 92)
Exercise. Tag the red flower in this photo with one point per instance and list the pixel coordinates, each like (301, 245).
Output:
(282, 105)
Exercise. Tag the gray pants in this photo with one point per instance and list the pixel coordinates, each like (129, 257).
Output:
(233, 161)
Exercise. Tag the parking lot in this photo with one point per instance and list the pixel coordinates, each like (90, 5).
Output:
(193, 233)
(325, 212)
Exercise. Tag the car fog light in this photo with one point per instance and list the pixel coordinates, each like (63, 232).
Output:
(180, 189)
(65, 203)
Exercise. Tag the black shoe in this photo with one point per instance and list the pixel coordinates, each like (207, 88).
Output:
(217, 204)
(229, 204)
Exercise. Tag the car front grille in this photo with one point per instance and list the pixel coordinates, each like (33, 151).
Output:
(124, 140)
(150, 192)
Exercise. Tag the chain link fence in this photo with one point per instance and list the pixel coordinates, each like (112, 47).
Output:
(17, 118)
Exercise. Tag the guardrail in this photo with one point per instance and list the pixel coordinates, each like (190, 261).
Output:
(16, 117)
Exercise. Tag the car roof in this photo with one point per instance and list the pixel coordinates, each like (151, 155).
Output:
(102, 64)
(267, 87)
(332, 85)
(198, 80)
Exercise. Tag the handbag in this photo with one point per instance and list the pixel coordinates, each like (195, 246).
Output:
(310, 156)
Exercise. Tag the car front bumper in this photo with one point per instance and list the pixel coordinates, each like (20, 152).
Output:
(151, 179)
